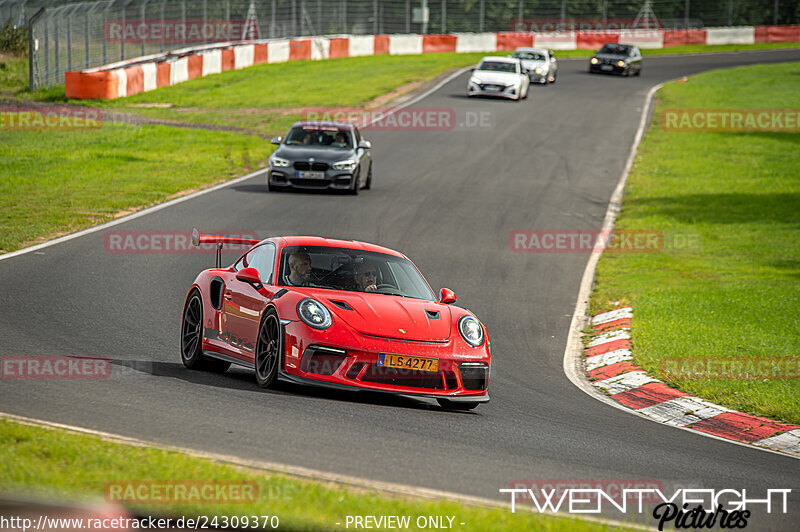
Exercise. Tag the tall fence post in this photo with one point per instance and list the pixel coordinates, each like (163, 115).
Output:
(32, 47)
(374, 17)
(271, 21)
(444, 16)
(144, 7)
(481, 16)
(86, 36)
(686, 15)
(69, 39)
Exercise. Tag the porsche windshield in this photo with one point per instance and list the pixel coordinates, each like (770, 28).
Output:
(497, 66)
(311, 135)
(353, 270)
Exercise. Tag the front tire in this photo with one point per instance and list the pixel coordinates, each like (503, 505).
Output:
(192, 337)
(369, 177)
(356, 183)
(446, 404)
(268, 349)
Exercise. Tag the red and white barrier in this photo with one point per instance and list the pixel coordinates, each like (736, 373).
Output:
(161, 70)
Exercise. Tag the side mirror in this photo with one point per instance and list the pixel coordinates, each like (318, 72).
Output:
(472, 69)
(276, 140)
(365, 144)
(446, 296)
(250, 276)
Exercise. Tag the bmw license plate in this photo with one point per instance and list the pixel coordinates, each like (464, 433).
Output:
(606, 67)
(408, 362)
(310, 175)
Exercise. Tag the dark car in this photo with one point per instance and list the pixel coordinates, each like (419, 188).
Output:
(612, 58)
(321, 155)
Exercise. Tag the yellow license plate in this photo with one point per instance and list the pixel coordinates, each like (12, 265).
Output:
(408, 362)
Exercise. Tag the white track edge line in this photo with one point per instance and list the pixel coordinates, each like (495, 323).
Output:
(313, 474)
(170, 203)
(573, 353)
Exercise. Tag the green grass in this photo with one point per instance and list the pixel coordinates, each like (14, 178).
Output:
(55, 182)
(13, 72)
(56, 463)
(736, 292)
(267, 99)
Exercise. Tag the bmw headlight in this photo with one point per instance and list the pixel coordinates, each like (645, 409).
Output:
(474, 80)
(345, 165)
(314, 314)
(594, 61)
(539, 70)
(278, 162)
(621, 63)
(471, 330)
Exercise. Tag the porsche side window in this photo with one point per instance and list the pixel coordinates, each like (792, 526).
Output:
(263, 259)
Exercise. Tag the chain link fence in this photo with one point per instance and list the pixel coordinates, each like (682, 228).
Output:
(69, 36)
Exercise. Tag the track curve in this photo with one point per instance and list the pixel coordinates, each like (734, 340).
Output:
(448, 200)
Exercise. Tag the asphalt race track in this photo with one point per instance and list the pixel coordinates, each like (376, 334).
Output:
(448, 199)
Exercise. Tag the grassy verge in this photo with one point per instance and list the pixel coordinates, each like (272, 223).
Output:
(13, 73)
(266, 99)
(53, 182)
(56, 463)
(728, 281)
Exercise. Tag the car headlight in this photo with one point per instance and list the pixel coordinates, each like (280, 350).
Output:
(345, 165)
(314, 314)
(278, 162)
(471, 330)
(474, 80)
(594, 61)
(621, 63)
(539, 70)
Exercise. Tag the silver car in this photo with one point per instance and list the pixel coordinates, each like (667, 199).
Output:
(540, 63)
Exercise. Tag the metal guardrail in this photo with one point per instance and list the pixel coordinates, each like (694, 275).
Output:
(69, 35)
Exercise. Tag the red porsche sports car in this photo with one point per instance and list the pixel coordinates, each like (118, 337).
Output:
(335, 313)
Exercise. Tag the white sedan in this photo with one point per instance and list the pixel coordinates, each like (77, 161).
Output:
(499, 76)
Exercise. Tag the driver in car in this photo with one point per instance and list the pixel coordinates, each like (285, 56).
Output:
(366, 276)
(299, 269)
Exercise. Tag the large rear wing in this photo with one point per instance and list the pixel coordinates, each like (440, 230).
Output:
(198, 238)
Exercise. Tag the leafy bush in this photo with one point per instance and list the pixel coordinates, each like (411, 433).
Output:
(13, 39)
